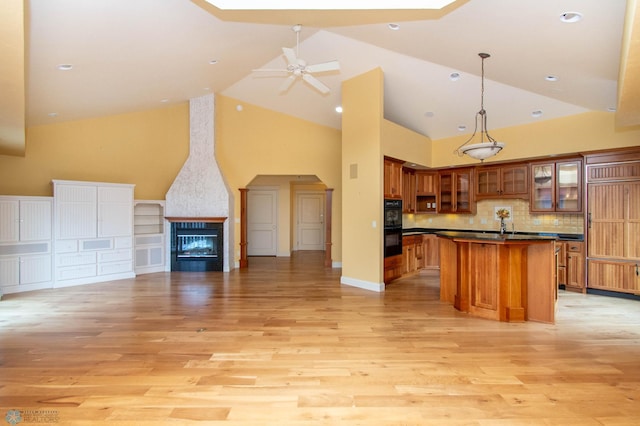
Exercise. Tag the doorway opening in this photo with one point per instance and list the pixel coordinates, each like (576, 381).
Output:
(285, 214)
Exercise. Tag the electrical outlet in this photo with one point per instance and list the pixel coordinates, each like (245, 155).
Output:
(483, 221)
(556, 222)
(536, 222)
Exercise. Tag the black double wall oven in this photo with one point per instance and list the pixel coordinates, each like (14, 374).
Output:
(392, 227)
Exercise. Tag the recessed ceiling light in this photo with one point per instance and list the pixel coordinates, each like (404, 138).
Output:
(239, 107)
(339, 109)
(53, 114)
(454, 76)
(612, 109)
(551, 78)
(394, 27)
(65, 67)
(571, 17)
(537, 113)
(429, 114)
(462, 128)
(164, 101)
(213, 62)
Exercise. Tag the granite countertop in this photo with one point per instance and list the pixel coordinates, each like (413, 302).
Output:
(494, 235)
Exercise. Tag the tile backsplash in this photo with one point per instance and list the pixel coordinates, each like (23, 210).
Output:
(485, 219)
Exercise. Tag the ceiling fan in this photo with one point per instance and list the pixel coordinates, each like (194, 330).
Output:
(297, 67)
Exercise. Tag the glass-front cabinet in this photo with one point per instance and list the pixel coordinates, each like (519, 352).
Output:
(506, 181)
(456, 191)
(556, 187)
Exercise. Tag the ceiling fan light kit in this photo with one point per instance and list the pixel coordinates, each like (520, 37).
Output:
(482, 150)
(298, 68)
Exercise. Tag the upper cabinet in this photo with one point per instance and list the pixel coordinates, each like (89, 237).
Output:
(556, 187)
(456, 191)
(392, 178)
(408, 190)
(507, 181)
(426, 191)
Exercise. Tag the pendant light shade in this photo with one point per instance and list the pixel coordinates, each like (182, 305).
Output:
(487, 146)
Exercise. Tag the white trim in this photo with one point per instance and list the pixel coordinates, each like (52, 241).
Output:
(366, 285)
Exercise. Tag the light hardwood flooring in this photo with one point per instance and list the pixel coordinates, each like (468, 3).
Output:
(283, 343)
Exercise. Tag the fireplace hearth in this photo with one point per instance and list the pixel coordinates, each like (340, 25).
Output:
(197, 246)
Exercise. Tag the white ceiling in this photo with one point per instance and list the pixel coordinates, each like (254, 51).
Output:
(128, 55)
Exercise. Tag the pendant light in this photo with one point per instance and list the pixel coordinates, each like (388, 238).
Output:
(488, 146)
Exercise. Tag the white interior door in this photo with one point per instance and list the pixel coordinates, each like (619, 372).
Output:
(262, 222)
(310, 221)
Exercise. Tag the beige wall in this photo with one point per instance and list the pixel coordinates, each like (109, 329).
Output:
(578, 133)
(145, 148)
(253, 141)
(402, 143)
(362, 100)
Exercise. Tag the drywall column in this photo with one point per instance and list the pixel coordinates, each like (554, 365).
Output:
(362, 180)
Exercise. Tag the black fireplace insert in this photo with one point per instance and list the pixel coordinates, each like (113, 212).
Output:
(196, 246)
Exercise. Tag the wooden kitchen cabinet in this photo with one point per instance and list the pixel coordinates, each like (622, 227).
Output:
(392, 178)
(571, 265)
(456, 193)
(392, 268)
(506, 181)
(575, 266)
(408, 190)
(556, 187)
(431, 251)
(561, 263)
(613, 221)
(409, 261)
(426, 191)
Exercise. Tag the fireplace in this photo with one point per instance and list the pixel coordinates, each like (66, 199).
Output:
(197, 246)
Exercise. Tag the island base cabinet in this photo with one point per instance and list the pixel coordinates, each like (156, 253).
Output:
(510, 281)
(490, 286)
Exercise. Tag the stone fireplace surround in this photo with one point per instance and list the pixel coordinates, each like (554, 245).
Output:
(200, 193)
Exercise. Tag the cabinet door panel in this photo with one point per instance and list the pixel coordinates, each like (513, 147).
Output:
(35, 269)
(514, 180)
(9, 271)
(542, 187)
(632, 208)
(488, 182)
(35, 220)
(9, 221)
(115, 211)
(606, 220)
(76, 211)
(568, 197)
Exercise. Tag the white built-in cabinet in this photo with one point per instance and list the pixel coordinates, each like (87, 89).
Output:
(149, 227)
(25, 243)
(93, 232)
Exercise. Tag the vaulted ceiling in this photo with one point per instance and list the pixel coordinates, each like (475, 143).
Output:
(135, 55)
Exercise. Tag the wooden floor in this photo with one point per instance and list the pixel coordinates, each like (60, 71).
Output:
(284, 343)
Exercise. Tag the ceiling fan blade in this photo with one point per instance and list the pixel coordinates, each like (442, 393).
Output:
(290, 54)
(317, 84)
(325, 66)
(287, 83)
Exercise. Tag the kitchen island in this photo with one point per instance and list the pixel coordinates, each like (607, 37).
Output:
(503, 277)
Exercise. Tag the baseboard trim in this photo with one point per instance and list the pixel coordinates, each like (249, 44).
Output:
(365, 285)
